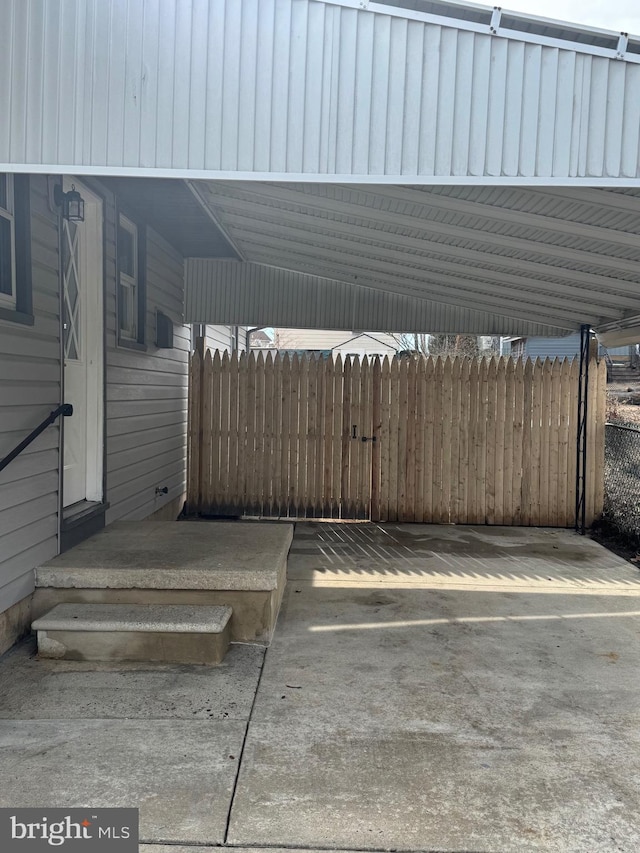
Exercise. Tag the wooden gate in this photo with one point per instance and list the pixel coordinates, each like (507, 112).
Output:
(453, 440)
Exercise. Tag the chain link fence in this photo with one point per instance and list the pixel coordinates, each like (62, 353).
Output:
(622, 479)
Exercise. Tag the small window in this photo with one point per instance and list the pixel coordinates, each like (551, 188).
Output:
(7, 243)
(131, 283)
(15, 249)
(518, 349)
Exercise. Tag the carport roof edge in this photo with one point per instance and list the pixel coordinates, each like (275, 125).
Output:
(82, 170)
(504, 22)
(318, 90)
(319, 94)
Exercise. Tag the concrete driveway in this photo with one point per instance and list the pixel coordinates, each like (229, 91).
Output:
(429, 688)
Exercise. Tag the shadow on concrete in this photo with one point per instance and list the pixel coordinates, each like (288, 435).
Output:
(328, 551)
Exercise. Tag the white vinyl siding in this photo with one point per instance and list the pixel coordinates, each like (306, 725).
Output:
(146, 401)
(30, 373)
(566, 347)
(146, 391)
(223, 337)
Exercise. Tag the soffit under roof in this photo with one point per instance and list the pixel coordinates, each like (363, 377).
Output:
(562, 257)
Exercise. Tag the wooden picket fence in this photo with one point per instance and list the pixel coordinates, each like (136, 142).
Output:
(489, 441)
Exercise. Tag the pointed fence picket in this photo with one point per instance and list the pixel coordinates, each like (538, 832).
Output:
(486, 441)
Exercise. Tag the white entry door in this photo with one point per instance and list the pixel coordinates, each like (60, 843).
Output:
(83, 335)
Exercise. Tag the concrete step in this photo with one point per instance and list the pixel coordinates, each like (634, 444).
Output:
(622, 371)
(135, 632)
(242, 565)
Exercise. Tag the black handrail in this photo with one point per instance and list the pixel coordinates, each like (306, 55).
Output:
(65, 409)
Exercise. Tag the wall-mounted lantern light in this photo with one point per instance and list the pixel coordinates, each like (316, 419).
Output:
(71, 202)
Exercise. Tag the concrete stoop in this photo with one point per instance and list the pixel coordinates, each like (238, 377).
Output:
(162, 566)
(169, 633)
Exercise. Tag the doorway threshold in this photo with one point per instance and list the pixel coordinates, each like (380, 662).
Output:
(80, 521)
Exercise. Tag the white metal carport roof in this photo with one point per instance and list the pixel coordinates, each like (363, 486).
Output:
(447, 162)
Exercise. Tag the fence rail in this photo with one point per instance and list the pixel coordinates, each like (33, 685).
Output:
(484, 441)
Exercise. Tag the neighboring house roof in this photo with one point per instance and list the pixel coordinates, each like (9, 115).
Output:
(309, 339)
(367, 342)
(260, 338)
(331, 340)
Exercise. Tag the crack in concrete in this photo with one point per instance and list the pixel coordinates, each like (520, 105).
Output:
(242, 750)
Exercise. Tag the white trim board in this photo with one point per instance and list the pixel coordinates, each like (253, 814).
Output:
(320, 178)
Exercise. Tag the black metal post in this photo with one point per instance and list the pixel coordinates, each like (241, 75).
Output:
(581, 444)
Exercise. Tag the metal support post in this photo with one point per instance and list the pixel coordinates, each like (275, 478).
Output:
(581, 444)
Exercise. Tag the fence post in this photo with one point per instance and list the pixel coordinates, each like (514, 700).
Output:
(194, 442)
(205, 415)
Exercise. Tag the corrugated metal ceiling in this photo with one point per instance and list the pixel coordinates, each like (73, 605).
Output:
(548, 256)
(255, 294)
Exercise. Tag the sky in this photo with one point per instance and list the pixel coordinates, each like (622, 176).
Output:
(619, 15)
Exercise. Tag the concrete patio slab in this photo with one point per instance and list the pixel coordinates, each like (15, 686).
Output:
(179, 774)
(429, 708)
(423, 659)
(433, 689)
(67, 690)
(170, 848)
(443, 790)
(436, 556)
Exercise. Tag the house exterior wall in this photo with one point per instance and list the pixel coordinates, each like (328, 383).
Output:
(145, 411)
(30, 370)
(146, 393)
(223, 337)
(567, 347)
(310, 88)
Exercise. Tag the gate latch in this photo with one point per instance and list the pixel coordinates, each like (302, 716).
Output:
(354, 434)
